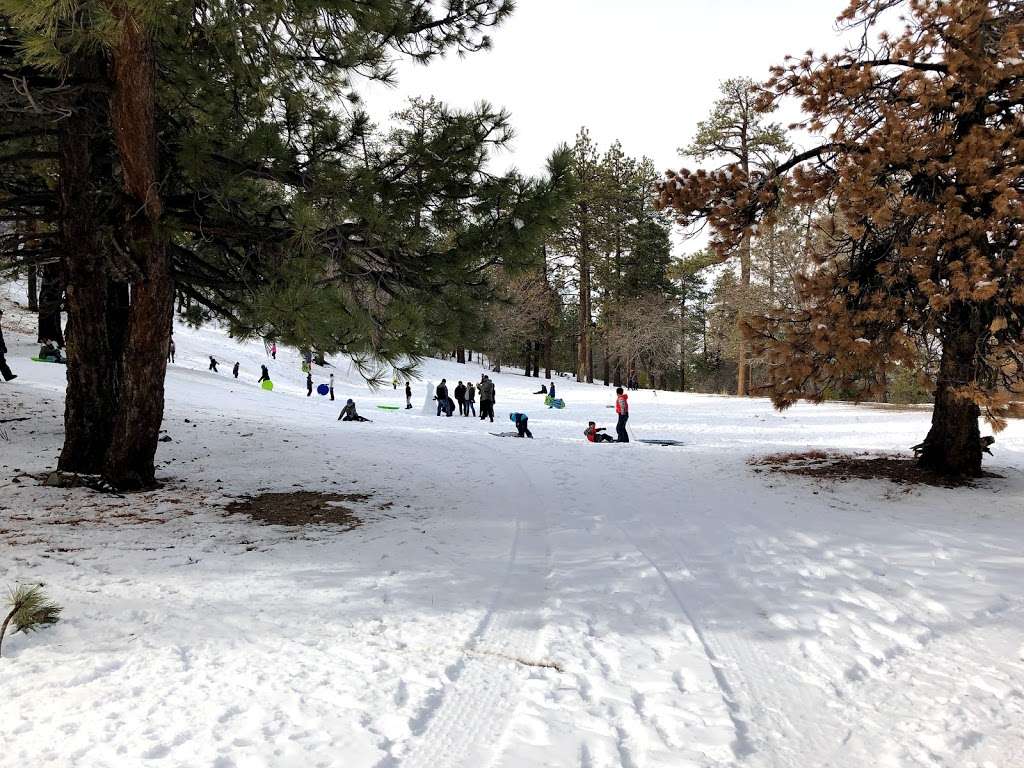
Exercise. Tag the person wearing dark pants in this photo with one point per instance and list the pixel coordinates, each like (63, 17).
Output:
(234, 371)
(213, 363)
(309, 384)
(5, 370)
(470, 399)
(170, 351)
(331, 385)
(264, 374)
(486, 390)
(408, 395)
(441, 395)
(460, 398)
(521, 420)
(622, 408)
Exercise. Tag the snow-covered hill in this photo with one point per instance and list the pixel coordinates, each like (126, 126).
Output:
(505, 602)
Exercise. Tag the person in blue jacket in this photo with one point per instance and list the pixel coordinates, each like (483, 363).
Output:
(522, 424)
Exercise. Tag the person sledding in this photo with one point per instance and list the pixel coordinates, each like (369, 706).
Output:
(264, 375)
(596, 434)
(542, 391)
(49, 352)
(522, 424)
(348, 413)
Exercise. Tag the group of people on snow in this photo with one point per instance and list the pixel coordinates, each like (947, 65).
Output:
(463, 395)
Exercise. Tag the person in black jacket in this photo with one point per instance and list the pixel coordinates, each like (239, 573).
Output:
(264, 374)
(408, 395)
(460, 398)
(234, 371)
(348, 413)
(5, 370)
(331, 385)
(213, 363)
(441, 395)
(309, 384)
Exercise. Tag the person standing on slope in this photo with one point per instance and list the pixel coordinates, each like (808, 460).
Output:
(470, 399)
(460, 397)
(5, 371)
(309, 383)
(487, 399)
(213, 364)
(408, 395)
(273, 350)
(622, 408)
(441, 395)
(551, 390)
(331, 385)
(170, 351)
(264, 374)
(234, 371)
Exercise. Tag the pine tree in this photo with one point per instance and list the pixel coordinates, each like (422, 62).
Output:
(924, 161)
(736, 131)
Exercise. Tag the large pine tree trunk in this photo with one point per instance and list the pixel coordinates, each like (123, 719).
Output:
(742, 381)
(130, 460)
(33, 289)
(583, 349)
(51, 299)
(91, 389)
(953, 445)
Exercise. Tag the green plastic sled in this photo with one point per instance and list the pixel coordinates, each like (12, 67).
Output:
(268, 385)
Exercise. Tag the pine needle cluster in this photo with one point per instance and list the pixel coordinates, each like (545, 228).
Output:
(29, 610)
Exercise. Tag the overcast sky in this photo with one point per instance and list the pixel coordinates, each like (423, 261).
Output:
(642, 71)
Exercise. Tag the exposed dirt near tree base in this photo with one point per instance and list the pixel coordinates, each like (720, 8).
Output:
(865, 466)
(301, 508)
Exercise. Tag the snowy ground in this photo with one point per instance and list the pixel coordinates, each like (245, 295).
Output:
(507, 602)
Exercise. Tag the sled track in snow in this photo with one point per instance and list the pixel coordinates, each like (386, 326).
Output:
(463, 727)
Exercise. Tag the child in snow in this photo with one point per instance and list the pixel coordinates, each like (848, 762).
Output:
(234, 371)
(331, 385)
(596, 434)
(273, 350)
(213, 363)
(348, 413)
(408, 395)
(49, 351)
(309, 384)
(551, 389)
(543, 390)
(470, 399)
(622, 408)
(521, 422)
(170, 351)
(264, 374)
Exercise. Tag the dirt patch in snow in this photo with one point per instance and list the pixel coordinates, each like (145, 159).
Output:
(903, 470)
(299, 508)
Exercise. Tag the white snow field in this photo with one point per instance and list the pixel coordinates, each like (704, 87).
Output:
(506, 602)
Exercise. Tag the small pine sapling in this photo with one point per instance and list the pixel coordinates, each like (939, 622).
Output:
(30, 611)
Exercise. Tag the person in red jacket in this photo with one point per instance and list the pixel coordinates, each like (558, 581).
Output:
(622, 408)
(595, 434)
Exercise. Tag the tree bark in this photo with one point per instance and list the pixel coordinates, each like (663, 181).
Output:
(130, 459)
(84, 161)
(33, 289)
(51, 299)
(953, 445)
(742, 363)
(583, 349)
(461, 355)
